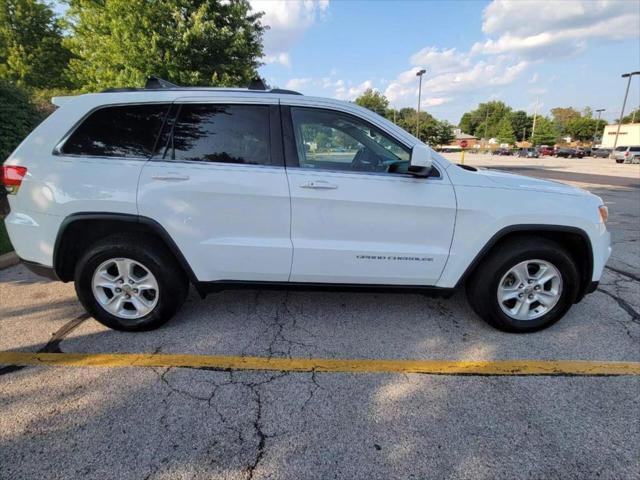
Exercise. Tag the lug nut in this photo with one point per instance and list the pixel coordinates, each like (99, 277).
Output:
(530, 281)
(537, 287)
(127, 296)
(530, 297)
(135, 290)
(520, 295)
(118, 290)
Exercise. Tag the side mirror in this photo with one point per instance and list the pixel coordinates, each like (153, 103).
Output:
(421, 162)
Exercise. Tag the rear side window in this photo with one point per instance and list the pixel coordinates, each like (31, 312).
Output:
(221, 133)
(119, 131)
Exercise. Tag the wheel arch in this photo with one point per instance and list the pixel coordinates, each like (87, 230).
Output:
(80, 230)
(575, 240)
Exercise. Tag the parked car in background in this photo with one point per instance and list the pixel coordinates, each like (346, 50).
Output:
(545, 150)
(501, 151)
(527, 153)
(628, 154)
(585, 151)
(601, 152)
(569, 153)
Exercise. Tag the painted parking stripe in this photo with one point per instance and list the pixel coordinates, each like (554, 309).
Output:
(434, 367)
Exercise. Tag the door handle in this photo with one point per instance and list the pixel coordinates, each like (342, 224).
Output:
(171, 177)
(319, 185)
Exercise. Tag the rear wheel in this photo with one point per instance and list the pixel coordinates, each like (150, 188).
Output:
(524, 286)
(130, 282)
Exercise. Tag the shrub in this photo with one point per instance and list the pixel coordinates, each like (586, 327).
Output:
(18, 116)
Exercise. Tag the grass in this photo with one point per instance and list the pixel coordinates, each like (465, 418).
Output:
(5, 244)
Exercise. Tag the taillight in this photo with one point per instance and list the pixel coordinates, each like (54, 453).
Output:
(12, 176)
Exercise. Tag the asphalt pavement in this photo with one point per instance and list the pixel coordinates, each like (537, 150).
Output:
(149, 422)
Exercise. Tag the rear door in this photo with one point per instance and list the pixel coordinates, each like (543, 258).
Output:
(358, 217)
(219, 188)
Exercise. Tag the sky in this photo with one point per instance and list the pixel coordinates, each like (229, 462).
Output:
(553, 53)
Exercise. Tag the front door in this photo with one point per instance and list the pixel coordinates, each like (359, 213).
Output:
(357, 216)
(220, 190)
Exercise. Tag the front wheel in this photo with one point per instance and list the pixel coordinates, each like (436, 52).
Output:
(524, 286)
(130, 282)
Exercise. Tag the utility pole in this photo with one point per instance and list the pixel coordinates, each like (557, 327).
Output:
(624, 102)
(419, 74)
(486, 123)
(535, 114)
(595, 130)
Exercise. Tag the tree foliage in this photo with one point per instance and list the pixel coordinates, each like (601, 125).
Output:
(374, 101)
(633, 116)
(31, 49)
(18, 116)
(119, 43)
(562, 116)
(483, 121)
(505, 131)
(546, 132)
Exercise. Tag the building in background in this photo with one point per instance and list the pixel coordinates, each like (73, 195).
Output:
(629, 135)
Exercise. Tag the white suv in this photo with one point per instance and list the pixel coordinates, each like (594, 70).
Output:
(134, 194)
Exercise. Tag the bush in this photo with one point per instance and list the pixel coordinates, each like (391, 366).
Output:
(18, 116)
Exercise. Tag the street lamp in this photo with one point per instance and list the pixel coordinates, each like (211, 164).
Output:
(419, 74)
(624, 102)
(595, 130)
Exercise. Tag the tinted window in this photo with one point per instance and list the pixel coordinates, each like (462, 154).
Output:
(221, 133)
(335, 141)
(122, 131)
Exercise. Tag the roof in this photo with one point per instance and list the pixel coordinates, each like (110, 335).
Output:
(465, 136)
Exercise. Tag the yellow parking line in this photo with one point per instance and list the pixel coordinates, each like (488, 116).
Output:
(435, 367)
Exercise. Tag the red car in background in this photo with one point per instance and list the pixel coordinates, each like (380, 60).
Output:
(545, 150)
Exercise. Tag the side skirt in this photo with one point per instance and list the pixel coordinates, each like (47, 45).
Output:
(205, 288)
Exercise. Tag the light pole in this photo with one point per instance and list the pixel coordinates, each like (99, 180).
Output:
(595, 130)
(624, 102)
(419, 74)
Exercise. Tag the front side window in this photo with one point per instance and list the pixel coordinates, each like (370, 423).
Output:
(336, 141)
(118, 131)
(221, 133)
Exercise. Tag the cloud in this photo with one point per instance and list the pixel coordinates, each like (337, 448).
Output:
(480, 75)
(296, 83)
(344, 92)
(441, 61)
(434, 101)
(535, 78)
(287, 22)
(282, 58)
(562, 29)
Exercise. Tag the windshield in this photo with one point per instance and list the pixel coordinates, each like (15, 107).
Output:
(621, 149)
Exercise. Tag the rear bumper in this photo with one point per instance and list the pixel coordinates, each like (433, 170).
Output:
(42, 270)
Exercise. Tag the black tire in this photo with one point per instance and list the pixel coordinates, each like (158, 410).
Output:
(619, 161)
(155, 257)
(482, 286)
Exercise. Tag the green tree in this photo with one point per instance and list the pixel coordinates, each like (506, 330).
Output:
(521, 124)
(484, 120)
(18, 116)
(632, 117)
(562, 116)
(31, 49)
(374, 101)
(583, 128)
(119, 43)
(546, 132)
(505, 131)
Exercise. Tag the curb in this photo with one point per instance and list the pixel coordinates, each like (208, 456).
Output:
(8, 260)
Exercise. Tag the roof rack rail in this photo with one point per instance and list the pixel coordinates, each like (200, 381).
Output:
(155, 83)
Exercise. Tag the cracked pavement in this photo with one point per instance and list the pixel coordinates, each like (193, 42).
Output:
(191, 423)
